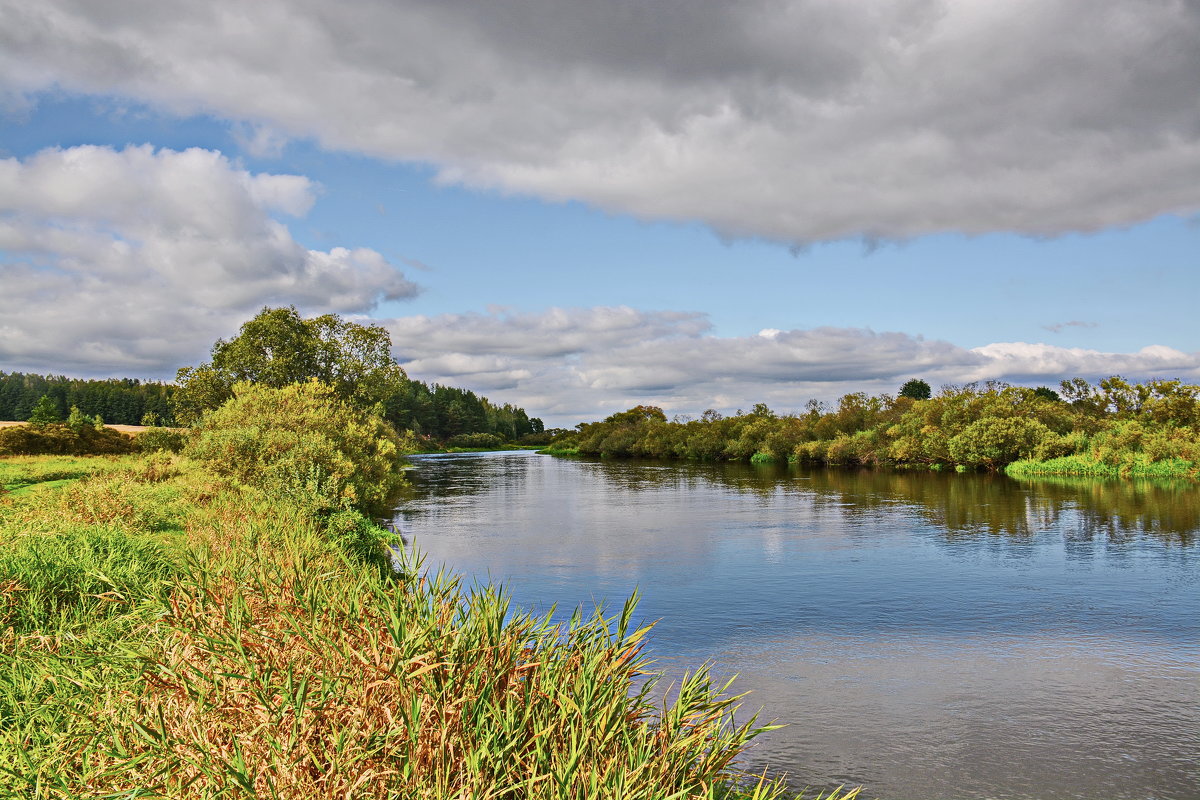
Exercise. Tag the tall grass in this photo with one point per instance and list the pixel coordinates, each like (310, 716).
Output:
(191, 638)
(1125, 465)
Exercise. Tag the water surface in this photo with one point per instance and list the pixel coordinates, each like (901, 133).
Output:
(928, 636)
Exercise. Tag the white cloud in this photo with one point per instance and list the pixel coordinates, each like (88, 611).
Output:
(572, 365)
(136, 260)
(795, 120)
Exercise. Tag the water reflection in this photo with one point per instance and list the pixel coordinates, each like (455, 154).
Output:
(929, 635)
(972, 503)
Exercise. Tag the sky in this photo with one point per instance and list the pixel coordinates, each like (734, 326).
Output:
(579, 206)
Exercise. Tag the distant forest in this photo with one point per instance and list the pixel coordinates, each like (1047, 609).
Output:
(439, 412)
(117, 401)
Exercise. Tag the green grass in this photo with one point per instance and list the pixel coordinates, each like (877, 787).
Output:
(20, 472)
(559, 450)
(168, 633)
(1129, 465)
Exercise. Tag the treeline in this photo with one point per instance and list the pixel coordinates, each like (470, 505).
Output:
(278, 348)
(446, 413)
(117, 401)
(1113, 427)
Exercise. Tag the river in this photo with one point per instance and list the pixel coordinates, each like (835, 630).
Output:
(924, 635)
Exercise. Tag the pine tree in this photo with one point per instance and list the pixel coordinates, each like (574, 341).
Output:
(44, 412)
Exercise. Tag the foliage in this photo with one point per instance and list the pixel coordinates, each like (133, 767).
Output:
(475, 440)
(278, 348)
(443, 412)
(44, 413)
(1127, 426)
(153, 440)
(60, 439)
(302, 443)
(916, 389)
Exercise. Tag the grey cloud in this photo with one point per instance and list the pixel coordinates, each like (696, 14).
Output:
(1057, 327)
(795, 120)
(602, 360)
(134, 261)
(553, 333)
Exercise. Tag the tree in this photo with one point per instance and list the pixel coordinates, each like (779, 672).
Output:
(916, 389)
(1046, 393)
(44, 412)
(278, 348)
(77, 420)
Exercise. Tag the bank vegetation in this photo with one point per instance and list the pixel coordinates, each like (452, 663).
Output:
(1113, 428)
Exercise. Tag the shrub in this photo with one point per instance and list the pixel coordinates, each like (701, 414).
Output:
(995, 441)
(59, 439)
(475, 440)
(303, 443)
(155, 440)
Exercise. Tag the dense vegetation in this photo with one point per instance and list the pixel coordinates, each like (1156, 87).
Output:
(124, 401)
(168, 629)
(1112, 428)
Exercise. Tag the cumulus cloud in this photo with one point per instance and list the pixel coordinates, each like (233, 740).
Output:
(573, 365)
(795, 120)
(135, 260)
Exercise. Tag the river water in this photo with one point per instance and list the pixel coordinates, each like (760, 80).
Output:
(924, 635)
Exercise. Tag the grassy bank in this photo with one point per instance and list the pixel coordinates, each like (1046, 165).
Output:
(1128, 465)
(171, 632)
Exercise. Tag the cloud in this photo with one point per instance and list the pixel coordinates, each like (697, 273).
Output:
(136, 260)
(572, 365)
(1058, 326)
(794, 120)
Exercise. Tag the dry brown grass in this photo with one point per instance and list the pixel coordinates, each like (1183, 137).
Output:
(295, 679)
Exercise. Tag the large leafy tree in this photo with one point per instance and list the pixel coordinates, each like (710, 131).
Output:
(278, 348)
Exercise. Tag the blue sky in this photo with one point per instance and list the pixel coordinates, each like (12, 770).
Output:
(713, 217)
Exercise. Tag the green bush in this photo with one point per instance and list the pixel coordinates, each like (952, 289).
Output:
(475, 440)
(303, 443)
(60, 440)
(155, 440)
(995, 441)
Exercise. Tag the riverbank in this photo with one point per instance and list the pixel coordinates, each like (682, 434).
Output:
(1113, 429)
(1130, 465)
(171, 632)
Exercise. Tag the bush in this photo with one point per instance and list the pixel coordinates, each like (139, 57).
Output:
(994, 441)
(475, 440)
(302, 443)
(59, 439)
(155, 440)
